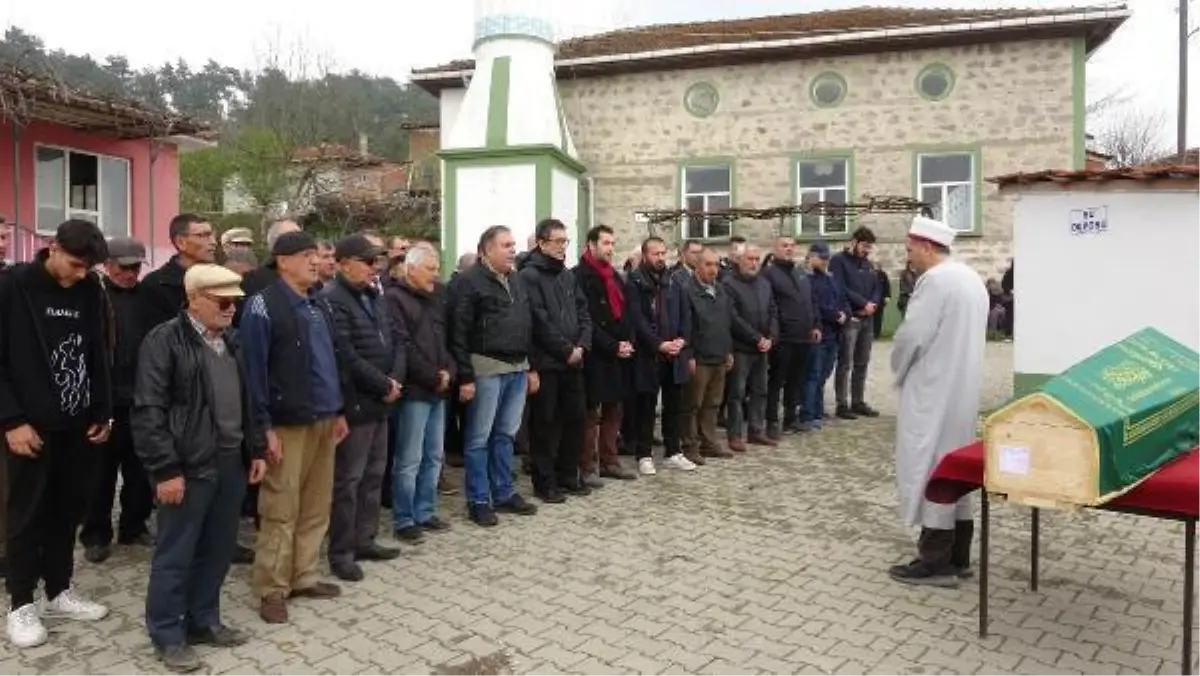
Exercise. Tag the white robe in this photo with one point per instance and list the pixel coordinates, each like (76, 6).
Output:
(937, 360)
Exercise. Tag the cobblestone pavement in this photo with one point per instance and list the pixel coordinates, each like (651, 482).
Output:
(772, 563)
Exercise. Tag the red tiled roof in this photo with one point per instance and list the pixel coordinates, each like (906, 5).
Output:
(783, 27)
(335, 153)
(1145, 172)
(1191, 156)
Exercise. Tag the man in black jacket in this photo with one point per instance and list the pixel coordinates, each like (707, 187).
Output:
(376, 366)
(855, 273)
(162, 295)
(789, 359)
(55, 406)
(194, 428)
(757, 328)
(562, 336)
(490, 339)
(125, 257)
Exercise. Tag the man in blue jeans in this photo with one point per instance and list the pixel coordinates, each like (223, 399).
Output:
(491, 326)
(833, 310)
(416, 308)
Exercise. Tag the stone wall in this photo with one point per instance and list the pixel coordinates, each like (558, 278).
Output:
(1011, 101)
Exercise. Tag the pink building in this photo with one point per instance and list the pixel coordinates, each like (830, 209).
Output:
(66, 154)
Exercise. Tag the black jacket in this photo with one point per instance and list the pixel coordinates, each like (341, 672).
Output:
(560, 313)
(754, 313)
(794, 300)
(174, 420)
(488, 319)
(373, 358)
(606, 375)
(255, 281)
(858, 277)
(161, 295)
(128, 321)
(419, 328)
(26, 392)
(712, 322)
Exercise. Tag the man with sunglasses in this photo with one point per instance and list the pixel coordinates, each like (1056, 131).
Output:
(376, 367)
(162, 295)
(120, 280)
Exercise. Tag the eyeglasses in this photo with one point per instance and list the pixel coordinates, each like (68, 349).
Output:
(222, 303)
(130, 267)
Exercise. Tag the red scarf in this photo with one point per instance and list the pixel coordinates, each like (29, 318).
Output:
(616, 298)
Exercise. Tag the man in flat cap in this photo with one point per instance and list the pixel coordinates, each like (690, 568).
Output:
(236, 239)
(120, 279)
(194, 425)
(296, 385)
(376, 367)
(937, 359)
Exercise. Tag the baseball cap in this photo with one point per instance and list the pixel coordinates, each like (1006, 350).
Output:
(237, 236)
(819, 249)
(213, 280)
(292, 243)
(356, 246)
(126, 251)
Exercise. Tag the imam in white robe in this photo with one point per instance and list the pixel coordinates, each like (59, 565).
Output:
(937, 360)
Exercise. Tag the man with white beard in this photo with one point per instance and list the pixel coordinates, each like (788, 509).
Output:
(937, 359)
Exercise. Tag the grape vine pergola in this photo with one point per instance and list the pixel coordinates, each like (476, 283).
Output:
(870, 204)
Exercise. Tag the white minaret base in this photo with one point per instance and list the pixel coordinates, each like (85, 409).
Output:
(509, 158)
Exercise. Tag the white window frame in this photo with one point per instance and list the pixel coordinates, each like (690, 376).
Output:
(98, 214)
(801, 191)
(684, 195)
(944, 186)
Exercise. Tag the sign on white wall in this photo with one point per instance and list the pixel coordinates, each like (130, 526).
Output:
(1089, 221)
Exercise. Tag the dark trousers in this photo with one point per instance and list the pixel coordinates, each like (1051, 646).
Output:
(557, 413)
(877, 320)
(939, 547)
(785, 380)
(645, 412)
(137, 498)
(456, 412)
(358, 472)
(629, 420)
(747, 400)
(854, 355)
(192, 551)
(47, 497)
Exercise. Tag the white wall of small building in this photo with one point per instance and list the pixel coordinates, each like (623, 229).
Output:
(1077, 293)
(564, 205)
(488, 196)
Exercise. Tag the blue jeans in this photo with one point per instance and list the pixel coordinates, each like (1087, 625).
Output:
(493, 418)
(420, 429)
(192, 551)
(820, 367)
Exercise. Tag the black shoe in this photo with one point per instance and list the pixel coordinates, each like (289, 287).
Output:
(435, 525)
(244, 556)
(516, 505)
(918, 572)
(864, 411)
(551, 496)
(350, 572)
(180, 658)
(845, 413)
(483, 515)
(410, 534)
(579, 489)
(220, 636)
(143, 539)
(376, 552)
(97, 553)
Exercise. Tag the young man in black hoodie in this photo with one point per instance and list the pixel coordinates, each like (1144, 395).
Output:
(55, 406)
(125, 257)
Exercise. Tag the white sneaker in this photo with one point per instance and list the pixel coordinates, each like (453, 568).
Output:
(678, 461)
(71, 607)
(25, 628)
(646, 467)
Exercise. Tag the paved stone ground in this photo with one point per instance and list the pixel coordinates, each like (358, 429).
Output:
(773, 563)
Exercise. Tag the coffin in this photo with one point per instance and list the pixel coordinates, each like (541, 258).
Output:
(1095, 431)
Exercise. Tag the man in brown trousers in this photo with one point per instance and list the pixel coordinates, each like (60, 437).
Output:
(712, 356)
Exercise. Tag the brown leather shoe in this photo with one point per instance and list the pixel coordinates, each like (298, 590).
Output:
(273, 609)
(320, 590)
(715, 453)
(737, 445)
(695, 457)
(761, 440)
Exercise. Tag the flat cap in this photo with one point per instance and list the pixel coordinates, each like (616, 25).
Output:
(126, 251)
(292, 243)
(356, 246)
(237, 236)
(213, 280)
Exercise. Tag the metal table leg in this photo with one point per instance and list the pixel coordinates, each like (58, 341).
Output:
(1189, 591)
(1035, 527)
(984, 528)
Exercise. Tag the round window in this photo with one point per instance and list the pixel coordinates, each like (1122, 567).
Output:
(701, 99)
(935, 82)
(827, 90)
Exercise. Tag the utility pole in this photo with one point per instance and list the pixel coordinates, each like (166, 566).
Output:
(1181, 141)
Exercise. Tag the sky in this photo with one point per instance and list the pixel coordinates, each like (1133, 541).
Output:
(1140, 62)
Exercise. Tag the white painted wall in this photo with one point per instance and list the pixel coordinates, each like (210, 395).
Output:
(1078, 293)
(449, 102)
(564, 205)
(489, 196)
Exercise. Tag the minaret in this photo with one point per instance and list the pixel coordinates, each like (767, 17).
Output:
(509, 158)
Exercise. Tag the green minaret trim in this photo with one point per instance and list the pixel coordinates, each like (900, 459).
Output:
(498, 97)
